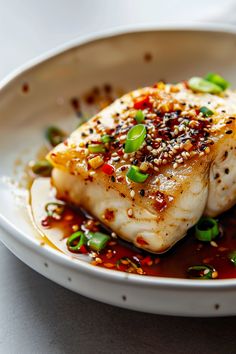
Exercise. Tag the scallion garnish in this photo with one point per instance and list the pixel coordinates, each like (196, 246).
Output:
(55, 135)
(135, 138)
(207, 229)
(126, 263)
(202, 271)
(217, 80)
(206, 111)
(139, 117)
(106, 138)
(77, 242)
(135, 175)
(98, 241)
(232, 257)
(42, 168)
(96, 148)
(54, 209)
(201, 85)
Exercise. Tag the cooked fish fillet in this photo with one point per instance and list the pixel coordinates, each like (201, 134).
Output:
(188, 157)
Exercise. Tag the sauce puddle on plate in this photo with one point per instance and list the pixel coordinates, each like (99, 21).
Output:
(122, 256)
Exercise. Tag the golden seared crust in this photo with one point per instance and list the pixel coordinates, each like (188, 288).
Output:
(180, 142)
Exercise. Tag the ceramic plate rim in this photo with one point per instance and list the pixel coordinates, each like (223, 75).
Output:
(57, 256)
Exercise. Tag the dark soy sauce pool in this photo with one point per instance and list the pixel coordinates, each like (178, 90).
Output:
(188, 252)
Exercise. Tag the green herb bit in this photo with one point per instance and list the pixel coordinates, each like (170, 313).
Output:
(98, 241)
(96, 148)
(206, 229)
(106, 138)
(55, 135)
(135, 175)
(139, 117)
(200, 85)
(126, 262)
(232, 257)
(54, 209)
(217, 80)
(76, 241)
(206, 111)
(203, 271)
(135, 138)
(42, 168)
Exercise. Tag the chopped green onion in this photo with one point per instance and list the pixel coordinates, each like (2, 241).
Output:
(135, 138)
(139, 116)
(96, 148)
(42, 168)
(135, 175)
(76, 241)
(217, 80)
(98, 241)
(54, 135)
(207, 229)
(126, 263)
(200, 85)
(106, 138)
(232, 257)
(54, 209)
(201, 272)
(206, 111)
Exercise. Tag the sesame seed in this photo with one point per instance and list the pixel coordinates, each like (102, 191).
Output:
(213, 244)
(175, 165)
(130, 212)
(132, 193)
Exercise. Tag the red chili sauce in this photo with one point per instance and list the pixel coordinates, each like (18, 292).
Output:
(122, 256)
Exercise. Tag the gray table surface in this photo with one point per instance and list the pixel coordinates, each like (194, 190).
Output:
(36, 315)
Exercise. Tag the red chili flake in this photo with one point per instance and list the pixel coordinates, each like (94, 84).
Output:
(108, 169)
(109, 215)
(146, 261)
(160, 201)
(45, 222)
(142, 102)
(83, 249)
(141, 241)
(120, 152)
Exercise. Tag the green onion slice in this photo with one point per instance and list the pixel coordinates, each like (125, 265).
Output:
(54, 135)
(139, 116)
(206, 229)
(126, 263)
(54, 209)
(217, 80)
(42, 168)
(76, 241)
(135, 175)
(202, 271)
(135, 138)
(106, 138)
(96, 148)
(98, 241)
(206, 111)
(200, 85)
(232, 257)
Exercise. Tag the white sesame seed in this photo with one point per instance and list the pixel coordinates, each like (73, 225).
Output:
(130, 212)
(175, 165)
(132, 193)
(213, 244)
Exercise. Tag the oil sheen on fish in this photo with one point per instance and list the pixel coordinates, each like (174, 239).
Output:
(151, 184)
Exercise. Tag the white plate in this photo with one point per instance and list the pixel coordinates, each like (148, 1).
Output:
(116, 58)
